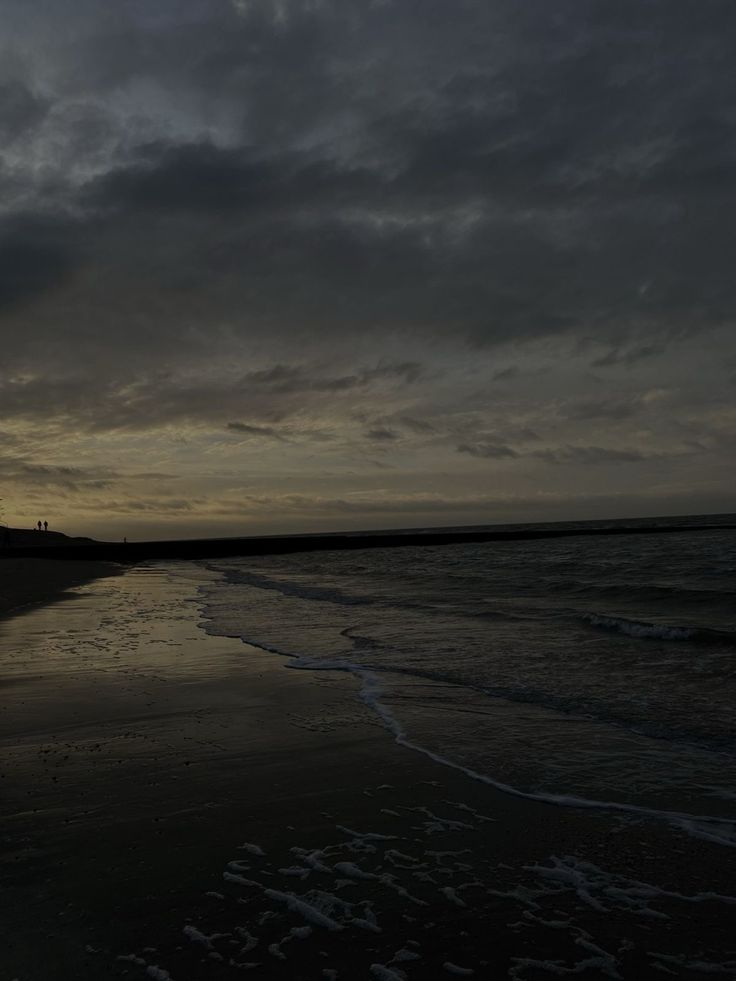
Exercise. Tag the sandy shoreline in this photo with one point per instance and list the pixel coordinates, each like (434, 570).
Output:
(179, 805)
(25, 581)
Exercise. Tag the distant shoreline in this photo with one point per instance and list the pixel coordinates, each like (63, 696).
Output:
(191, 549)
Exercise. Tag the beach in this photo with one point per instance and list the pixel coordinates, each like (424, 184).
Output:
(27, 581)
(181, 804)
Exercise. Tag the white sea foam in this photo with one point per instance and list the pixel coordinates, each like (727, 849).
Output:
(439, 825)
(384, 973)
(452, 896)
(197, 937)
(605, 891)
(365, 924)
(720, 830)
(521, 964)
(639, 628)
(312, 858)
(295, 870)
(240, 880)
(236, 866)
(470, 810)
(716, 829)
(158, 973)
(132, 958)
(401, 860)
(366, 835)
(251, 942)
(701, 966)
(403, 954)
(353, 871)
(306, 909)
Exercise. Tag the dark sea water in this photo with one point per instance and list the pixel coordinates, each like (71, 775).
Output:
(583, 669)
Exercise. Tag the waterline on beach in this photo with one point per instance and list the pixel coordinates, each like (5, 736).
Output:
(484, 666)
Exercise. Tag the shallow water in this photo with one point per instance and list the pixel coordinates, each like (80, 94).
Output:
(601, 669)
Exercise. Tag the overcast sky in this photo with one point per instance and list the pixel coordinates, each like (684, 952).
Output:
(283, 265)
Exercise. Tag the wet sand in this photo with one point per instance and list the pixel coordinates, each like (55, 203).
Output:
(182, 806)
(25, 581)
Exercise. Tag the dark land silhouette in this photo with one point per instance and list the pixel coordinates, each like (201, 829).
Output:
(19, 538)
(20, 543)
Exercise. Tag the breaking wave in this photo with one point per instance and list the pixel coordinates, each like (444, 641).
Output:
(645, 630)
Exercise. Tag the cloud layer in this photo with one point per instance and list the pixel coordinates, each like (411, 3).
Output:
(419, 258)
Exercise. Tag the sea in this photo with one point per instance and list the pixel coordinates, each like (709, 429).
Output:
(590, 671)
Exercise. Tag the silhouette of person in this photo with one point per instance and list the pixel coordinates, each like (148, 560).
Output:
(45, 526)
(39, 525)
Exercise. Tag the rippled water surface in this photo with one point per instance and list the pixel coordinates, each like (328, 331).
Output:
(598, 667)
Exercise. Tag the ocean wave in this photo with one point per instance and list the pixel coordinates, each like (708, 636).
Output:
(719, 830)
(638, 628)
(289, 588)
(332, 594)
(591, 708)
(652, 592)
(645, 630)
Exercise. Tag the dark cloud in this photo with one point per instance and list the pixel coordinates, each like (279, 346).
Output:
(517, 172)
(248, 430)
(612, 408)
(628, 356)
(568, 455)
(268, 395)
(150, 505)
(20, 109)
(202, 178)
(287, 379)
(35, 257)
(29, 474)
(419, 426)
(506, 374)
(489, 451)
(382, 435)
(594, 455)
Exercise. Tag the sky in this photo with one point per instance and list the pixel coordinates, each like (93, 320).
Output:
(298, 265)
